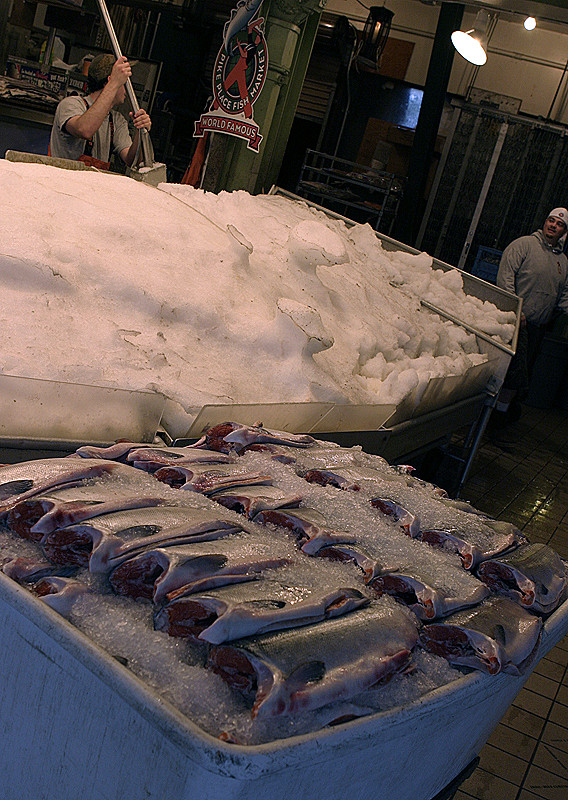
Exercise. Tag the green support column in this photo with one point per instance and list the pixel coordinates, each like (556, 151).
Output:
(411, 209)
(288, 101)
(290, 30)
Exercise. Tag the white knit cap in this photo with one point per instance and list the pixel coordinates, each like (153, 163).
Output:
(561, 214)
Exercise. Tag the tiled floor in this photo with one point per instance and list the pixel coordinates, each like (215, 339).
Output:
(526, 758)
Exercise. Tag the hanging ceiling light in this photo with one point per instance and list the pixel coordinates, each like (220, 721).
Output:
(375, 33)
(530, 23)
(472, 44)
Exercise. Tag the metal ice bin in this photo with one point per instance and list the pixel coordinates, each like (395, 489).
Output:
(55, 414)
(499, 355)
(461, 395)
(76, 724)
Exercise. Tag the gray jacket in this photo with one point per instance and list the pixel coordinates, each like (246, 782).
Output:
(531, 268)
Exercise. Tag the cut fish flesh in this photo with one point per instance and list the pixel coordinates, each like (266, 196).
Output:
(34, 518)
(30, 570)
(471, 553)
(277, 452)
(30, 478)
(354, 471)
(330, 477)
(473, 539)
(206, 479)
(426, 594)
(309, 526)
(229, 436)
(151, 459)
(115, 452)
(252, 606)
(250, 500)
(351, 477)
(104, 542)
(69, 504)
(409, 522)
(533, 575)
(293, 671)
(369, 566)
(156, 573)
(60, 594)
(496, 636)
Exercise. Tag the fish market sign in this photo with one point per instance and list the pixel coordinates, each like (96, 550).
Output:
(238, 77)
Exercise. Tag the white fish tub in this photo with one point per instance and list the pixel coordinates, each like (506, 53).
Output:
(76, 724)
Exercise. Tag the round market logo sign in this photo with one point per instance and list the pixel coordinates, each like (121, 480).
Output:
(238, 77)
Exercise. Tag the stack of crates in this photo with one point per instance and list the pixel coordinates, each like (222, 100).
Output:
(486, 264)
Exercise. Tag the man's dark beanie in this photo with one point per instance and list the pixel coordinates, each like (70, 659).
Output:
(100, 69)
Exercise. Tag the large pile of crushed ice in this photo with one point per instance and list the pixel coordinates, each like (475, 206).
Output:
(223, 298)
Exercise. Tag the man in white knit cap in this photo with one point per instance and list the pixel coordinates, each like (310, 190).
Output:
(535, 268)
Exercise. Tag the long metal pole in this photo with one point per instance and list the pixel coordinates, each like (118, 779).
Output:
(147, 157)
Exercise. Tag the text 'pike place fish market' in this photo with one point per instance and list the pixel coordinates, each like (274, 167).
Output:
(303, 579)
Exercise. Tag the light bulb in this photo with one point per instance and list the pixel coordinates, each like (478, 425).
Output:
(530, 23)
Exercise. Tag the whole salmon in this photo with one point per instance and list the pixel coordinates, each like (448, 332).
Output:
(298, 670)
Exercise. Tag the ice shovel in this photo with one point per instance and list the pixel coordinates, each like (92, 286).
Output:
(149, 171)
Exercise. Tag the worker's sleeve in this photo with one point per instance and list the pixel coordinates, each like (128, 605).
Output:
(511, 261)
(72, 106)
(121, 137)
(563, 299)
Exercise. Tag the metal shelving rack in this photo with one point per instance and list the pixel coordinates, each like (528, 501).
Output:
(357, 191)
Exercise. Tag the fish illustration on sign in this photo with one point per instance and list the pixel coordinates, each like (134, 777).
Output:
(239, 19)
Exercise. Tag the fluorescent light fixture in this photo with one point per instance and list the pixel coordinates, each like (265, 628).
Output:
(530, 23)
(472, 44)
